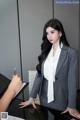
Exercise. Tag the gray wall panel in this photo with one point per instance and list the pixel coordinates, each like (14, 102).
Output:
(33, 15)
(9, 42)
(69, 14)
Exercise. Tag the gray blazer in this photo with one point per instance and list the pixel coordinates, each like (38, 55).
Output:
(65, 86)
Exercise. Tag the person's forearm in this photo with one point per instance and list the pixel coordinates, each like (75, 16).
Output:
(6, 99)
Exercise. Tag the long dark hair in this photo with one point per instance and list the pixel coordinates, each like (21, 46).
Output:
(46, 45)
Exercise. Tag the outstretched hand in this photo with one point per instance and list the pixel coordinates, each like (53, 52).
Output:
(27, 103)
(73, 112)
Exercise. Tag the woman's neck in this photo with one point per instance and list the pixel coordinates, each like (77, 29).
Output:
(55, 46)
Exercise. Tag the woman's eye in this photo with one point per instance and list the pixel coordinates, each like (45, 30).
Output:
(52, 32)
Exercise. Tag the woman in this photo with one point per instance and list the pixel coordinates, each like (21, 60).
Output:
(56, 72)
(14, 86)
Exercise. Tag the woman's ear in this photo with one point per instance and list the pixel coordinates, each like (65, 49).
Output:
(60, 34)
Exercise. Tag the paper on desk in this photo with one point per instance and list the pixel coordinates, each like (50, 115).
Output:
(14, 118)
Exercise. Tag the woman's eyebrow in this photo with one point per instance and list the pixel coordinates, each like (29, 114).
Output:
(50, 31)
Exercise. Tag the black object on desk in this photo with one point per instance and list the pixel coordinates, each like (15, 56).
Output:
(4, 82)
(44, 113)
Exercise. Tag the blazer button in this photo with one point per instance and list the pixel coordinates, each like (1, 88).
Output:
(56, 78)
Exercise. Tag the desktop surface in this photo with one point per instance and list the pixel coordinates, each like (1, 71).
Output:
(41, 113)
(44, 113)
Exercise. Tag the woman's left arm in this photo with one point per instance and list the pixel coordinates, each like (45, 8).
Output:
(72, 80)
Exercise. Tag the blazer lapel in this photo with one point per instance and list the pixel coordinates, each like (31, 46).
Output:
(60, 62)
(61, 58)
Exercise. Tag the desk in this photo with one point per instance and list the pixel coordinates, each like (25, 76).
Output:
(44, 113)
(29, 113)
(41, 113)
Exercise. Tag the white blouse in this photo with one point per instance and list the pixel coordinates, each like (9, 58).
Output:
(50, 66)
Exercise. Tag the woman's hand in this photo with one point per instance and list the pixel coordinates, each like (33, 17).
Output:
(73, 112)
(27, 103)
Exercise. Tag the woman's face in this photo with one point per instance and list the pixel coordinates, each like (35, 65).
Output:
(53, 35)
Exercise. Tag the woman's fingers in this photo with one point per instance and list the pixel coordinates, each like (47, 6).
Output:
(64, 111)
(24, 104)
(73, 119)
(27, 103)
(73, 112)
(34, 106)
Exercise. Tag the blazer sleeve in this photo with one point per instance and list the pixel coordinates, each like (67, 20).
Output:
(72, 78)
(36, 86)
